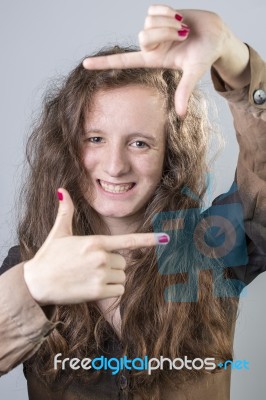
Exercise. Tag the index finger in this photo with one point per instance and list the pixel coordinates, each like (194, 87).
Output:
(133, 241)
(115, 61)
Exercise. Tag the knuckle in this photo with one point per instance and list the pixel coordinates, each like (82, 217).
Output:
(214, 14)
(151, 9)
(215, 17)
(148, 22)
(99, 278)
(92, 242)
(62, 211)
(120, 289)
(123, 263)
(141, 37)
(102, 258)
(162, 9)
(130, 242)
(123, 276)
(168, 11)
(168, 32)
(97, 291)
(101, 274)
(149, 241)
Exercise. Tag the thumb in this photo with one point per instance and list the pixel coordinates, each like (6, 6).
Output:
(63, 223)
(184, 91)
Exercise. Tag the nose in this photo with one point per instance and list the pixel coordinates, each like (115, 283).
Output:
(116, 161)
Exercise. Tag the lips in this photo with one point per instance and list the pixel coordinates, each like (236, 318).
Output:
(115, 187)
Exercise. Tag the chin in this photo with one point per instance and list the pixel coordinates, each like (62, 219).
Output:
(115, 214)
(118, 212)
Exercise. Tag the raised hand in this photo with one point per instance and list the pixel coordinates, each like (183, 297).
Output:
(188, 40)
(71, 269)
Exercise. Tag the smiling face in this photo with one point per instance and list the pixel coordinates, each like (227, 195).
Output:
(123, 152)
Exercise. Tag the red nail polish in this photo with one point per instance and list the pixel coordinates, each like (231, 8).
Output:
(183, 32)
(60, 196)
(178, 17)
(163, 238)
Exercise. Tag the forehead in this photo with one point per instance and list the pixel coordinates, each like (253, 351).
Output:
(131, 103)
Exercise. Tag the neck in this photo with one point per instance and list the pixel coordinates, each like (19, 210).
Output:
(122, 226)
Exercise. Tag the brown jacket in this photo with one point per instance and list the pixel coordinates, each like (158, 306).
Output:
(24, 325)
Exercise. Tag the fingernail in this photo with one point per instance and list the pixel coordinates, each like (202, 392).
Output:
(60, 196)
(178, 17)
(162, 238)
(185, 27)
(183, 32)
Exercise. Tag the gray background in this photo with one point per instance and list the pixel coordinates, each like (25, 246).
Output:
(41, 40)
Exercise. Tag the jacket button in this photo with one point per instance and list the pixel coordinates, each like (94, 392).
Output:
(259, 96)
(123, 382)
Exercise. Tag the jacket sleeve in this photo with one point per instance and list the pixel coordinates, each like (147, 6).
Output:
(248, 107)
(23, 323)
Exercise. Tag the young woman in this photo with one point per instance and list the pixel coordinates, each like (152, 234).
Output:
(119, 142)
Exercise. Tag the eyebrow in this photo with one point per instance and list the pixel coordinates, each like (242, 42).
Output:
(132, 135)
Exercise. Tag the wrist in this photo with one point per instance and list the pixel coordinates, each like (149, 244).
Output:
(234, 66)
(32, 282)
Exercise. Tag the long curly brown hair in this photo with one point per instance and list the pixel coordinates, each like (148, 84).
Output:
(152, 324)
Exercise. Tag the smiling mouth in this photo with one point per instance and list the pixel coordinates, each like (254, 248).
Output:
(114, 187)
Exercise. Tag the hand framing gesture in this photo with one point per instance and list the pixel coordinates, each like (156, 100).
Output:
(188, 40)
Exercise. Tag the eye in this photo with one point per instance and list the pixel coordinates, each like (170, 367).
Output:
(94, 139)
(139, 144)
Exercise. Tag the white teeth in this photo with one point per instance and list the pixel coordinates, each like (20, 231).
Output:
(115, 188)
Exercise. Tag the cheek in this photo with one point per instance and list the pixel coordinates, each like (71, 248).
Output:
(155, 166)
(89, 161)
(151, 171)
(156, 175)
